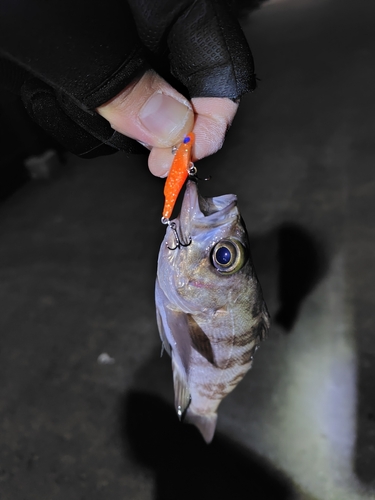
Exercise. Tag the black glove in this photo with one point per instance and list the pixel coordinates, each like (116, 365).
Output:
(66, 58)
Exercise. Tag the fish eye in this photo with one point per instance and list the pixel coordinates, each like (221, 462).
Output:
(228, 256)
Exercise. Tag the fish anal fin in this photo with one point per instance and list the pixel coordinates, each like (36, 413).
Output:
(182, 396)
(199, 340)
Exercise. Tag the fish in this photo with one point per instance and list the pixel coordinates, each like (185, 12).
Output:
(210, 310)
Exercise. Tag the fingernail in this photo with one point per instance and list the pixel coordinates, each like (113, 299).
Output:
(164, 116)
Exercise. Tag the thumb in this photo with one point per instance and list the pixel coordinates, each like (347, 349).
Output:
(150, 111)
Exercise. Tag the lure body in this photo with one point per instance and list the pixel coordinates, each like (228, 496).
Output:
(177, 174)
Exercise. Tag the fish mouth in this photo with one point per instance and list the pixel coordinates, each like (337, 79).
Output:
(198, 211)
(190, 203)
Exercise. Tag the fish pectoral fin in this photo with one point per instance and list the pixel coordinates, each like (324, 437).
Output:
(182, 397)
(199, 340)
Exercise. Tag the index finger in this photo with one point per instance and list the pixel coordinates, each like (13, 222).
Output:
(213, 117)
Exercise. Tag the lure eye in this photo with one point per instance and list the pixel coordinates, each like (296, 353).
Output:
(228, 256)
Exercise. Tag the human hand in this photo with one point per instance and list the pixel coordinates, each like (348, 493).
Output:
(155, 114)
(153, 70)
(207, 52)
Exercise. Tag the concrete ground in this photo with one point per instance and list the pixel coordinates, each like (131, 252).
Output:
(77, 267)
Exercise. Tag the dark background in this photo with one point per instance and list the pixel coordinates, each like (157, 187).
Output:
(77, 266)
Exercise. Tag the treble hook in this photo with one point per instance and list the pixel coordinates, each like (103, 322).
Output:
(193, 171)
(179, 242)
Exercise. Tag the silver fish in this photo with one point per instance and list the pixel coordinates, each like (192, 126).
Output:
(210, 310)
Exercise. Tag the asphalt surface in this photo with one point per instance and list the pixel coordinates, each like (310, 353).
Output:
(77, 268)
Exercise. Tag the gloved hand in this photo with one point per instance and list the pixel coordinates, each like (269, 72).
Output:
(151, 69)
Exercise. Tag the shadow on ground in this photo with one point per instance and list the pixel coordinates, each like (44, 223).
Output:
(185, 466)
(290, 262)
(302, 265)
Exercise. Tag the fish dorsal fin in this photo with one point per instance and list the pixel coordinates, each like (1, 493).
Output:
(263, 323)
(199, 340)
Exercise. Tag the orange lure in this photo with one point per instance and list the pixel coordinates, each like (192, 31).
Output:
(177, 174)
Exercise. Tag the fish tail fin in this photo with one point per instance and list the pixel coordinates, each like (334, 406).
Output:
(206, 424)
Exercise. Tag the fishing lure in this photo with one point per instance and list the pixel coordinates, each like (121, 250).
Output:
(177, 175)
